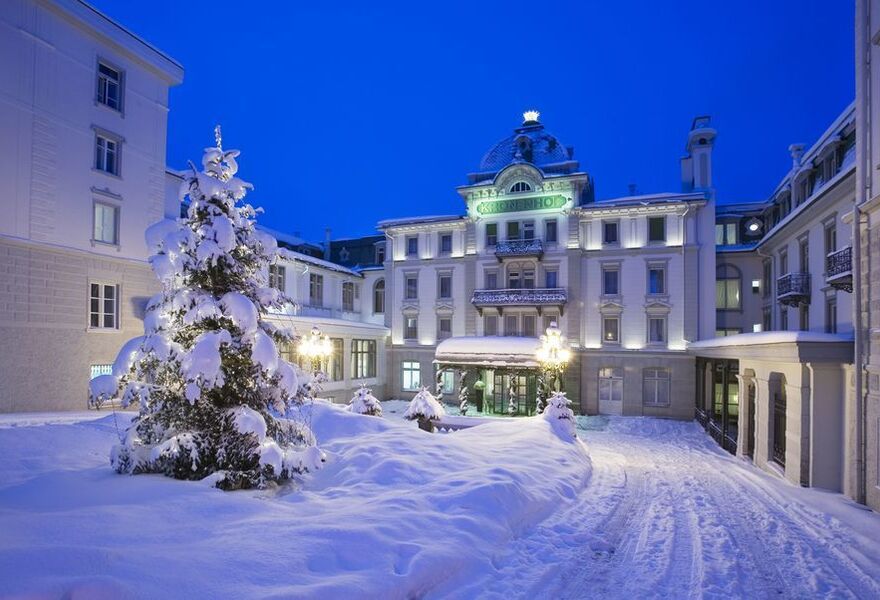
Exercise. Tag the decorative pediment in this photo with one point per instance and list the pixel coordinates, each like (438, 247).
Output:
(444, 306)
(516, 173)
(410, 307)
(610, 307)
(658, 305)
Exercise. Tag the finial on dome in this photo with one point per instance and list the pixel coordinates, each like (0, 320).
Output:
(218, 137)
(530, 117)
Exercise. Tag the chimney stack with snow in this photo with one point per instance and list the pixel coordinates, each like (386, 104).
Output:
(796, 151)
(327, 244)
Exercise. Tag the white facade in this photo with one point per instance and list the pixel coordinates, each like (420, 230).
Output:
(83, 115)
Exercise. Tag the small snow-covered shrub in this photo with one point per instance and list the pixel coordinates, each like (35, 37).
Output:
(560, 415)
(424, 408)
(365, 403)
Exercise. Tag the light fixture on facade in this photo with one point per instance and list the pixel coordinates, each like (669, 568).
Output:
(756, 286)
(754, 225)
(553, 356)
(316, 347)
(531, 116)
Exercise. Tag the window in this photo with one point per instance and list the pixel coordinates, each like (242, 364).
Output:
(804, 255)
(411, 328)
(611, 330)
(767, 278)
(728, 283)
(98, 370)
(528, 279)
(277, 277)
(513, 230)
(447, 382)
(611, 384)
(767, 319)
(727, 331)
(804, 317)
(379, 297)
(380, 253)
(610, 281)
(316, 289)
(725, 234)
(656, 330)
(106, 154)
(491, 234)
(363, 359)
(513, 279)
(783, 319)
(103, 306)
(106, 223)
(411, 290)
(491, 280)
(412, 245)
(656, 229)
(783, 262)
(831, 315)
(445, 243)
(610, 233)
(444, 286)
(520, 186)
(335, 366)
(109, 86)
(529, 325)
(830, 237)
(347, 296)
(444, 328)
(490, 325)
(551, 231)
(511, 325)
(656, 387)
(551, 278)
(412, 375)
(656, 279)
(528, 230)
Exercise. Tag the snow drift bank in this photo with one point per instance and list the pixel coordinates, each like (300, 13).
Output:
(395, 513)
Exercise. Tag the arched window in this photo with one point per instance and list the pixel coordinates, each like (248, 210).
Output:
(520, 186)
(728, 286)
(379, 297)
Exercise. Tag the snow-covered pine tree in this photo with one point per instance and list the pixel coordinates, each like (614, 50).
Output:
(365, 403)
(463, 405)
(512, 407)
(560, 415)
(212, 389)
(424, 408)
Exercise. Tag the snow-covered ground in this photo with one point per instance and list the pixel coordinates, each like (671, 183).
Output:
(504, 510)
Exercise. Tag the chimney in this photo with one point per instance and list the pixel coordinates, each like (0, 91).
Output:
(796, 151)
(327, 244)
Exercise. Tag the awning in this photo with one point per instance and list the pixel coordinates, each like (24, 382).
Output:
(489, 351)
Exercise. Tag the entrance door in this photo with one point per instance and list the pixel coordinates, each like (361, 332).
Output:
(611, 391)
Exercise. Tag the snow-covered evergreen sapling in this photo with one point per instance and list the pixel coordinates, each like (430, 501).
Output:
(365, 403)
(424, 408)
(512, 407)
(560, 415)
(463, 405)
(210, 383)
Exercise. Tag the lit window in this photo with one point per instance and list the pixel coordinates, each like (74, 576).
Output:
(520, 186)
(106, 154)
(106, 223)
(611, 330)
(447, 381)
(728, 283)
(336, 357)
(363, 359)
(725, 234)
(412, 375)
(109, 86)
(103, 306)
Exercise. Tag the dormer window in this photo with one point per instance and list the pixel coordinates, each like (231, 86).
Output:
(520, 186)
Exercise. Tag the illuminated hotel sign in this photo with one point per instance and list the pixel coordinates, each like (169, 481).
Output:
(494, 207)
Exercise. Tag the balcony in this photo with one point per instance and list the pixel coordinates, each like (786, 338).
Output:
(793, 289)
(838, 269)
(538, 297)
(518, 248)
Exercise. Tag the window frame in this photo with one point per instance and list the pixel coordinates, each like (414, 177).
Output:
(410, 328)
(491, 238)
(616, 339)
(410, 293)
(117, 218)
(379, 301)
(412, 369)
(441, 237)
(651, 382)
(120, 84)
(102, 313)
(651, 221)
(348, 296)
(605, 224)
(412, 246)
(664, 334)
(551, 224)
(610, 379)
(490, 319)
(606, 270)
(441, 333)
(363, 358)
(316, 290)
(100, 157)
(661, 268)
(278, 277)
(441, 277)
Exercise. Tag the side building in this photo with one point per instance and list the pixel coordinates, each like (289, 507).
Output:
(83, 118)
(469, 294)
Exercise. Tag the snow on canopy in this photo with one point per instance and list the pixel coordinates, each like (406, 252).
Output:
(215, 397)
(424, 406)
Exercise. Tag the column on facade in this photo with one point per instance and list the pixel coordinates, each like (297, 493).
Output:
(797, 425)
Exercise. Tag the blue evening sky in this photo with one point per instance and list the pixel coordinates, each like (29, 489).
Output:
(351, 113)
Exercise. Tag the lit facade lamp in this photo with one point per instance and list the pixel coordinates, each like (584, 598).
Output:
(553, 356)
(317, 348)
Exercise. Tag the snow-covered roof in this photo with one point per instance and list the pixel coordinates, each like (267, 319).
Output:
(318, 262)
(328, 324)
(772, 337)
(779, 346)
(489, 351)
(386, 223)
(645, 199)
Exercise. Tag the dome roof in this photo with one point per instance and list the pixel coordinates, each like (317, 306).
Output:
(530, 143)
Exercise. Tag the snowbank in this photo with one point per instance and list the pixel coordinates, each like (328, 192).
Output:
(395, 513)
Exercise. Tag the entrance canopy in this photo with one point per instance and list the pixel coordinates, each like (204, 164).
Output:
(491, 352)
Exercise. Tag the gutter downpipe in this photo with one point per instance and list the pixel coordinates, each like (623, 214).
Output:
(863, 189)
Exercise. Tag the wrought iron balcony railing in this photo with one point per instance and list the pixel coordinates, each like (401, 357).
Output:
(519, 248)
(838, 269)
(520, 297)
(793, 289)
